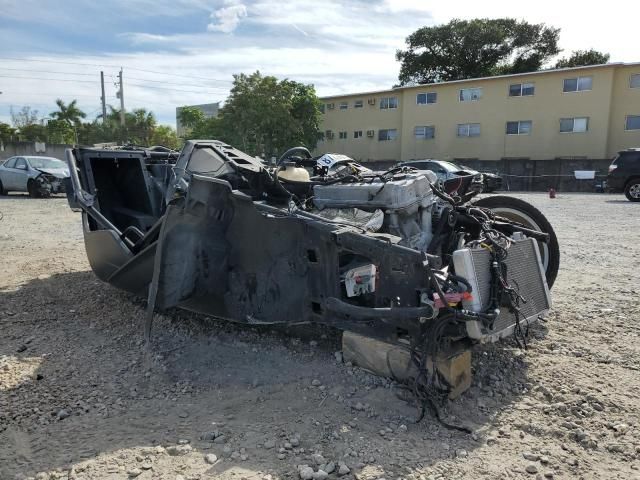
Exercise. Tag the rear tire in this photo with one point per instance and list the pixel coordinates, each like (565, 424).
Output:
(2, 190)
(526, 214)
(632, 190)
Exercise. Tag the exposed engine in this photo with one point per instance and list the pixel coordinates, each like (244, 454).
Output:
(405, 203)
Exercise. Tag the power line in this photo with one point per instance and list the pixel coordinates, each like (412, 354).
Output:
(171, 83)
(93, 74)
(46, 71)
(49, 79)
(114, 66)
(210, 90)
(167, 88)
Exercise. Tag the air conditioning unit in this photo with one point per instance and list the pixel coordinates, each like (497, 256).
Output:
(371, 133)
(328, 134)
(371, 101)
(331, 106)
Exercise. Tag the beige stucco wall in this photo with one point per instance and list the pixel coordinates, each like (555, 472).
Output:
(369, 117)
(605, 105)
(626, 101)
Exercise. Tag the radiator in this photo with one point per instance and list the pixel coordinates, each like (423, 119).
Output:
(524, 270)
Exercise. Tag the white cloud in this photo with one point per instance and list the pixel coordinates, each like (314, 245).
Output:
(340, 46)
(226, 19)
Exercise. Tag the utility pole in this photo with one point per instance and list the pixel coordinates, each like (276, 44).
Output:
(121, 99)
(104, 102)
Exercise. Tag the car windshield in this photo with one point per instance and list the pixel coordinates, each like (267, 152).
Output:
(450, 167)
(46, 162)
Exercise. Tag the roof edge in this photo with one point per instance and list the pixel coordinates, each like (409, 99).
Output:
(477, 79)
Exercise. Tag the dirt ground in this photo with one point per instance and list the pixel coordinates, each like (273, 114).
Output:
(80, 399)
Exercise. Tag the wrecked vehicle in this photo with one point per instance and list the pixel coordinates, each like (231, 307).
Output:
(386, 254)
(39, 176)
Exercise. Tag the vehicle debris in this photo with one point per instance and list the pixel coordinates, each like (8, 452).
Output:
(388, 255)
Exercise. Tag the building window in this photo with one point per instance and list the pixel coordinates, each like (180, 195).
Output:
(342, 135)
(574, 125)
(578, 84)
(387, 134)
(426, 98)
(322, 108)
(424, 132)
(632, 122)
(388, 102)
(344, 105)
(358, 104)
(521, 90)
(634, 81)
(468, 129)
(357, 134)
(470, 94)
(522, 127)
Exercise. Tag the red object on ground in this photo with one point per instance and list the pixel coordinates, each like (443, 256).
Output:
(552, 192)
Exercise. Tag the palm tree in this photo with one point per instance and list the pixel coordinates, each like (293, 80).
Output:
(70, 114)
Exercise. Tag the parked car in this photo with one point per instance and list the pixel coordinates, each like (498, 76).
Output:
(449, 170)
(39, 176)
(624, 174)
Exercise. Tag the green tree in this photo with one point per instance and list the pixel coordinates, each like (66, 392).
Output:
(166, 136)
(581, 58)
(7, 133)
(475, 48)
(69, 114)
(264, 116)
(59, 131)
(33, 132)
(190, 117)
(140, 125)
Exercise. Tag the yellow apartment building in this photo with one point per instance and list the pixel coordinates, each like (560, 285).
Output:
(573, 114)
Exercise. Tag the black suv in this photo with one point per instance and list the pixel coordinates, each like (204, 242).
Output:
(624, 174)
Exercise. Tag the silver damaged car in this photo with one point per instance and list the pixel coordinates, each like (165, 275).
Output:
(39, 176)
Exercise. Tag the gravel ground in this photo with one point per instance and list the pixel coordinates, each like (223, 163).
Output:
(80, 398)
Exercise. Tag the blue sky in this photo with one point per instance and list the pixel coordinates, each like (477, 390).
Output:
(181, 52)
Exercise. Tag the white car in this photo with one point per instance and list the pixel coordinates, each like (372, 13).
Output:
(39, 176)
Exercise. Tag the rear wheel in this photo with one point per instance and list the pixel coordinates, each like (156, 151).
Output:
(632, 190)
(529, 216)
(2, 190)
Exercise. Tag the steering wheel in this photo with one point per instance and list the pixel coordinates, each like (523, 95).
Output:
(289, 153)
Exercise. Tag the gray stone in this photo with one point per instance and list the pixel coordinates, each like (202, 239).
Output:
(211, 458)
(62, 414)
(294, 442)
(134, 472)
(320, 475)
(316, 383)
(531, 468)
(343, 469)
(533, 457)
(305, 472)
(269, 444)
(329, 467)
(318, 459)
(220, 440)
